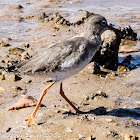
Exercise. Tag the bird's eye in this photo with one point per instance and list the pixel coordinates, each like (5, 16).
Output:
(103, 22)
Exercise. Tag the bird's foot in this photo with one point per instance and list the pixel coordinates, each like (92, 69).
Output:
(31, 119)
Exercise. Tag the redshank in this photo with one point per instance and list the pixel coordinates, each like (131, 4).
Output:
(66, 58)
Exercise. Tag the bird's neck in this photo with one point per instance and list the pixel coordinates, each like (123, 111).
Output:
(93, 37)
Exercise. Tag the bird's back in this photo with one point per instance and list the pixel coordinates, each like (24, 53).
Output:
(61, 56)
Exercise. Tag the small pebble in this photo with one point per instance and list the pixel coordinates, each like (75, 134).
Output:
(2, 77)
(91, 118)
(19, 6)
(69, 130)
(23, 92)
(24, 56)
(130, 137)
(27, 46)
(87, 97)
(85, 102)
(12, 77)
(20, 19)
(29, 81)
(9, 39)
(2, 90)
(26, 119)
(109, 120)
(57, 111)
(16, 50)
(91, 138)
(8, 129)
(112, 134)
(81, 137)
(5, 44)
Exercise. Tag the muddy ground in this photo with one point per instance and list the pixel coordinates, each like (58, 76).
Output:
(112, 101)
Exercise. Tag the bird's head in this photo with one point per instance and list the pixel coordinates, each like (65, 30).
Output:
(95, 25)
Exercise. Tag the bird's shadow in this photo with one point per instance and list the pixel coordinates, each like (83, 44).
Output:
(119, 112)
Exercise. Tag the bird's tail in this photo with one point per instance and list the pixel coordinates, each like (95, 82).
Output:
(15, 67)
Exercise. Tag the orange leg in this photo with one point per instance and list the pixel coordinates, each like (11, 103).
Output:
(31, 117)
(70, 103)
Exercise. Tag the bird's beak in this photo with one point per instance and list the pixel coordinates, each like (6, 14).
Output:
(109, 27)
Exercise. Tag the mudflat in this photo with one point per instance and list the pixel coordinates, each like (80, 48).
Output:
(112, 100)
